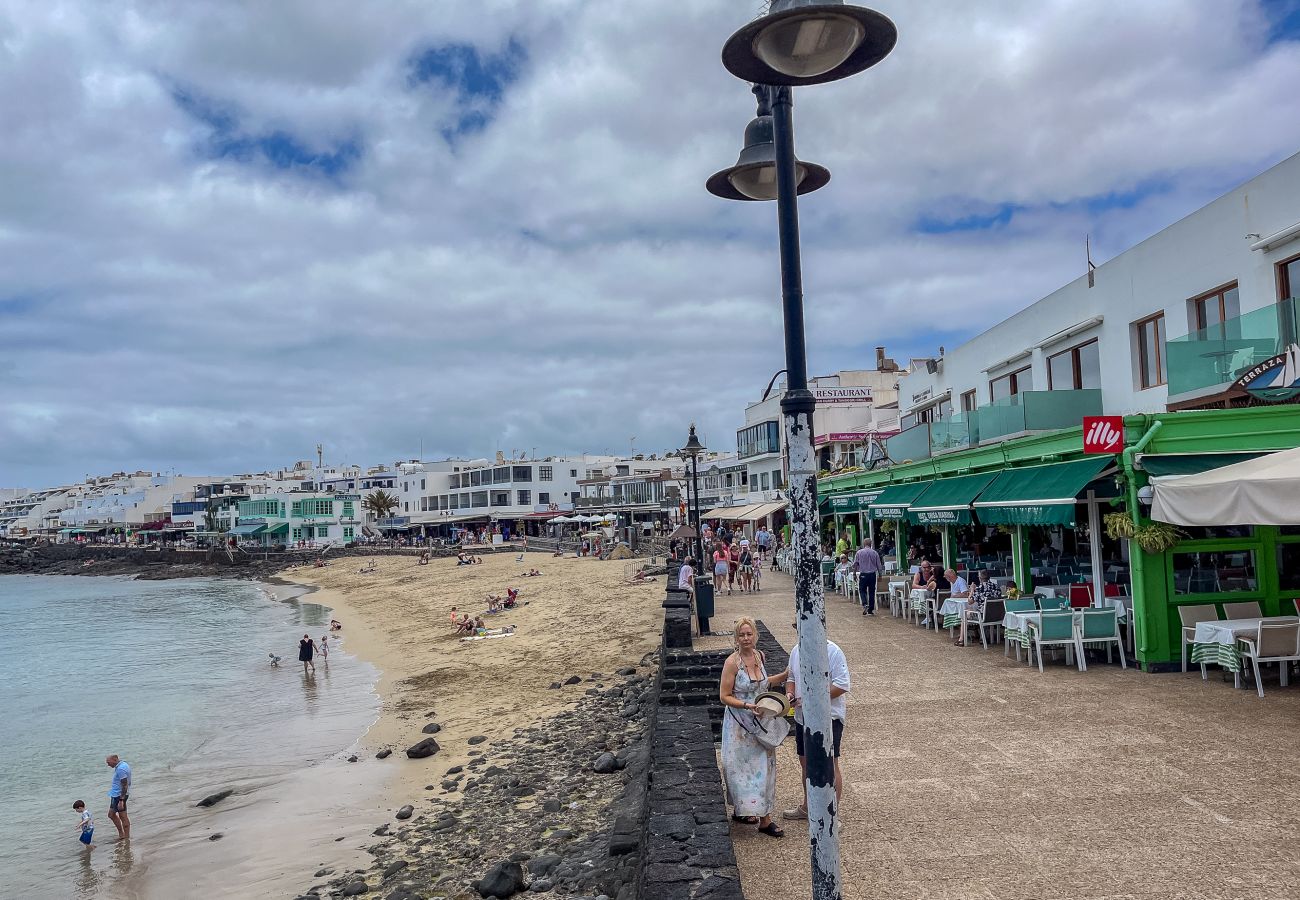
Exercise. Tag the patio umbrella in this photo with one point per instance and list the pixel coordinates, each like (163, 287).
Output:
(1263, 491)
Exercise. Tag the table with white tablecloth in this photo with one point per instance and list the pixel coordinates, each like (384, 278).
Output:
(953, 611)
(1123, 606)
(1215, 643)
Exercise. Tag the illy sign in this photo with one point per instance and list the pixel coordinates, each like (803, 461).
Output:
(1103, 434)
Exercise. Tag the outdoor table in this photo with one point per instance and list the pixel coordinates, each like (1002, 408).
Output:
(1053, 590)
(918, 599)
(1017, 625)
(1216, 642)
(953, 611)
(897, 586)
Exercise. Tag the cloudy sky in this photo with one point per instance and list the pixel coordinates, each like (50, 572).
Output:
(229, 231)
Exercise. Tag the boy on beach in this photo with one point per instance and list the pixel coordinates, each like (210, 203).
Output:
(86, 825)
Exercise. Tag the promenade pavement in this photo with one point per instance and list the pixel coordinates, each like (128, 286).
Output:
(969, 775)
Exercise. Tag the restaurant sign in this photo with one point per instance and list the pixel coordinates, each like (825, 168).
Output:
(851, 503)
(1276, 379)
(842, 395)
(1103, 434)
(942, 516)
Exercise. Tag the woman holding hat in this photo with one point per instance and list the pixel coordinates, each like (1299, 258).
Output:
(748, 767)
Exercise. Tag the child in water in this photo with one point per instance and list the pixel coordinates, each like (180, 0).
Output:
(325, 647)
(87, 824)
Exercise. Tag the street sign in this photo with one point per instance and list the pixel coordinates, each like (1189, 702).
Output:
(1103, 434)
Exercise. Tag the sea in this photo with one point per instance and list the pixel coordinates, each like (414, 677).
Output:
(176, 678)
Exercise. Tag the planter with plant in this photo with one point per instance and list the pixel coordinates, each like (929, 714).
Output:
(1119, 526)
(1157, 537)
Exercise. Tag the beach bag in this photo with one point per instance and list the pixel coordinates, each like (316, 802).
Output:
(769, 731)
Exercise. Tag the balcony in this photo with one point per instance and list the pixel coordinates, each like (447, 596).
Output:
(1019, 414)
(1208, 360)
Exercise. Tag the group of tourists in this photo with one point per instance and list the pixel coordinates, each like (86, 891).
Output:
(754, 725)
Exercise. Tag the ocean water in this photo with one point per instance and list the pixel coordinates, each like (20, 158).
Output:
(175, 677)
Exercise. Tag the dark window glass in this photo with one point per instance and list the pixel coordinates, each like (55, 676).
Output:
(1217, 572)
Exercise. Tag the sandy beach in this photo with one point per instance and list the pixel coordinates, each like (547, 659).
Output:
(578, 618)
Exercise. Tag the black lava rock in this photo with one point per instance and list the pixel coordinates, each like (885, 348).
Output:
(626, 670)
(573, 679)
(552, 806)
(395, 867)
(381, 831)
(384, 754)
(352, 758)
(355, 889)
(476, 739)
(405, 812)
(505, 879)
(214, 799)
(423, 749)
(215, 836)
(605, 764)
(542, 865)
(431, 728)
(455, 770)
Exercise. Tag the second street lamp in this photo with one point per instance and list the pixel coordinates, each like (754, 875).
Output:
(801, 42)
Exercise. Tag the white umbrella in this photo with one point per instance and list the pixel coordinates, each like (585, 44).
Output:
(1263, 491)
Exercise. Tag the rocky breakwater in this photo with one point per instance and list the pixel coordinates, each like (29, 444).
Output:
(554, 809)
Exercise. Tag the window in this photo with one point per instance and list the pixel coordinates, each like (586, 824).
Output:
(755, 440)
(543, 497)
(544, 473)
(500, 498)
(524, 498)
(501, 475)
(347, 509)
(1214, 308)
(406, 507)
(297, 534)
(1149, 336)
(1288, 278)
(1078, 368)
(421, 484)
(479, 498)
(762, 481)
(968, 401)
(777, 482)
(464, 501)
(1288, 566)
(1215, 572)
(523, 473)
(455, 481)
(348, 533)
(573, 473)
(1011, 384)
(476, 478)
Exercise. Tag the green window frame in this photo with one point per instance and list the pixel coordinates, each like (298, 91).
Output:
(297, 534)
(347, 509)
(347, 533)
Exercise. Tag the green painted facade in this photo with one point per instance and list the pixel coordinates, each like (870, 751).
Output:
(1156, 595)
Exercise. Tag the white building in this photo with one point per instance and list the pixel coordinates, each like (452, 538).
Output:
(1171, 323)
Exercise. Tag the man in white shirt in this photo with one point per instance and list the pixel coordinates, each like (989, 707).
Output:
(839, 687)
(960, 589)
(686, 577)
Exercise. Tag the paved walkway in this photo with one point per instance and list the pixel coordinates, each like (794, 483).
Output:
(971, 776)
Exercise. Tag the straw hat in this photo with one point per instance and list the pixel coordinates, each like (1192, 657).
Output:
(771, 703)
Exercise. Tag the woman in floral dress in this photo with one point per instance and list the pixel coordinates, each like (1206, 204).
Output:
(748, 767)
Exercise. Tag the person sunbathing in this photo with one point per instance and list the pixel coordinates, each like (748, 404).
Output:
(532, 573)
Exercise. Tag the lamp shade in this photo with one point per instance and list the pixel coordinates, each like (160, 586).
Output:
(753, 177)
(809, 42)
(693, 446)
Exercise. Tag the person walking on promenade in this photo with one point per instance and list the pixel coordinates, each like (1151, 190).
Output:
(721, 566)
(118, 794)
(306, 650)
(839, 687)
(748, 767)
(866, 562)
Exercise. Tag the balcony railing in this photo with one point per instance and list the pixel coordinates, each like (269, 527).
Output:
(1217, 356)
(1028, 411)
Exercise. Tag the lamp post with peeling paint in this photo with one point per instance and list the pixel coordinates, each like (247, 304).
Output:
(799, 42)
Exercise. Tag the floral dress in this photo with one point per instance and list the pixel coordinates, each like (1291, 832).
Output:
(748, 768)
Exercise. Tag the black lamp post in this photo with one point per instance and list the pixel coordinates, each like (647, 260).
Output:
(692, 451)
(800, 42)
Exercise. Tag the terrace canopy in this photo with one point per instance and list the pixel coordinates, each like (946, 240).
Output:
(247, 530)
(947, 501)
(1038, 495)
(1263, 491)
(895, 500)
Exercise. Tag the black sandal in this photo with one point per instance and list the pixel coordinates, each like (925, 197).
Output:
(745, 820)
(771, 829)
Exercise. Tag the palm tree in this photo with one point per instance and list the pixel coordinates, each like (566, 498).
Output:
(380, 503)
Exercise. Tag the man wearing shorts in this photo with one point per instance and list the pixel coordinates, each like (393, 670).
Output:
(118, 794)
(839, 679)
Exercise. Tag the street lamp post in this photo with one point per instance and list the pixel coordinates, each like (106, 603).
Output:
(800, 42)
(692, 451)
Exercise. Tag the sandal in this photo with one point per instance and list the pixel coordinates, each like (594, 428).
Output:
(771, 829)
(745, 820)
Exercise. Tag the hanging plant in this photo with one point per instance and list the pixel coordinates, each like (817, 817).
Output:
(1157, 537)
(1119, 525)
(1006, 529)
(887, 527)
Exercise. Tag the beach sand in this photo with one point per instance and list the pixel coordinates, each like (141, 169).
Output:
(580, 618)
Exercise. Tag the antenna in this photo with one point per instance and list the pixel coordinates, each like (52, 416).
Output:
(320, 457)
(1087, 250)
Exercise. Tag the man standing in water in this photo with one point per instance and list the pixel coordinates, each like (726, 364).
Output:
(118, 795)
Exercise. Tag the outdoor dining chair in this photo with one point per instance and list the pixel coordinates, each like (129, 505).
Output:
(990, 615)
(1051, 603)
(1056, 629)
(1249, 610)
(1188, 616)
(1278, 643)
(1101, 626)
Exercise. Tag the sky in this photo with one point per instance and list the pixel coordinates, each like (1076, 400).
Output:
(230, 231)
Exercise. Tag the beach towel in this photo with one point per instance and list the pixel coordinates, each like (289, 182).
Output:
(487, 637)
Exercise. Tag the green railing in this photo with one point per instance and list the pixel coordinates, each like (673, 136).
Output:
(1218, 355)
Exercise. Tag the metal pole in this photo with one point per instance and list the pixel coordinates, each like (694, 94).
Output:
(797, 411)
(695, 509)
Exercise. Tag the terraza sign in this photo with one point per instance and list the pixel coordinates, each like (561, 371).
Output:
(842, 395)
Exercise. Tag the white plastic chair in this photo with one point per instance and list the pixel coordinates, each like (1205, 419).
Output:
(1272, 643)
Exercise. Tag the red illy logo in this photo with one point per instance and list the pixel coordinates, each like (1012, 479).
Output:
(1103, 434)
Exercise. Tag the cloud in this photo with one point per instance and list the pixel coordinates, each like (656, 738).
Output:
(231, 231)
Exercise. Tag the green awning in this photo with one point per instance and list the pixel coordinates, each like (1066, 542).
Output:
(1160, 464)
(1038, 495)
(282, 528)
(947, 501)
(247, 530)
(845, 504)
(895, 499)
